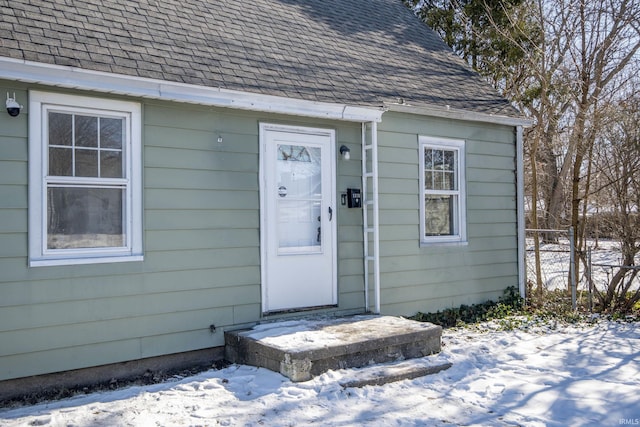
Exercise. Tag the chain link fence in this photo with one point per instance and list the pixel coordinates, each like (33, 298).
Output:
(604, 266)
(595, 276)
(551, 262)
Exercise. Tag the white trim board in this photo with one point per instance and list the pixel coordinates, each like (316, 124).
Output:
(453, 113)
(77, 78)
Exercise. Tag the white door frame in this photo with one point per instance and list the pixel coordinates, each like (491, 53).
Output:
(264, 261)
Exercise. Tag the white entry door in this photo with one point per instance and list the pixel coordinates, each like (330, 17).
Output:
(298, 217)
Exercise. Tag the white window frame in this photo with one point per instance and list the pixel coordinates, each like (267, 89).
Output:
(457, 145)
(39, 104)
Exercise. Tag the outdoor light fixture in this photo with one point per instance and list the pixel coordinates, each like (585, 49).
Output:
(345, 152)
(13, 108)
(220, 139)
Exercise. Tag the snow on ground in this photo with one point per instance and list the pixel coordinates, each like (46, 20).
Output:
(570, 375)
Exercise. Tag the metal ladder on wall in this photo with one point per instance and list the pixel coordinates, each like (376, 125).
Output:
(370, 215)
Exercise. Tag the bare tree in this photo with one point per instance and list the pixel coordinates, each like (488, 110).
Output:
(585, 46)
(617, 158)
(584, 51)
(567, 61)
(609, 33)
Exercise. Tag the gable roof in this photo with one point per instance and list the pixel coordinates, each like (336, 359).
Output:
(354, 52)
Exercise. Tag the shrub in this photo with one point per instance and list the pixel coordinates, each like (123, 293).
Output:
(508, 304)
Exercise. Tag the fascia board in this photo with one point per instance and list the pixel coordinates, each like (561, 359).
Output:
(452, 113)
(81, 79)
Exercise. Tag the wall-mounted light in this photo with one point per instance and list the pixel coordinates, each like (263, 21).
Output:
(13, 108)
(220, 139)
(345, 152)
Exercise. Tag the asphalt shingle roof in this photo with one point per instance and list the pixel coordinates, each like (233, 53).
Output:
(356, 52)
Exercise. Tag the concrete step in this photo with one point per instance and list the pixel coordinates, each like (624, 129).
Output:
(302, 349)
(381, 374)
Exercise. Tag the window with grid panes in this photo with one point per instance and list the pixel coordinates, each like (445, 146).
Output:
(85, 180)
(443, 190)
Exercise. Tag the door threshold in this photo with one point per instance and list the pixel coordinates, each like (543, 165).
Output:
(298, 310)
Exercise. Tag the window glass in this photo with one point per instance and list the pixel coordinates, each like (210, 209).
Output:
(61, 161)
(86, 131)
(86, 163)
(88, 216)
(60, 129)
(439, 218)
(440, 169)
(85, 218)
(111, 133)
(83, 151)
(111, 164)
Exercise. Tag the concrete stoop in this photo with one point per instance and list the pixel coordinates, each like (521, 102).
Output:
(395, 371)
(302, 349)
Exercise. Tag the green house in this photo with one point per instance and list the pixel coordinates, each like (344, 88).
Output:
(171, 170)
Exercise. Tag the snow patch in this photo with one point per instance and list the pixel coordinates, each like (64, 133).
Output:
(571, 375)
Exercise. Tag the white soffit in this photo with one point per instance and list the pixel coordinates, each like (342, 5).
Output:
(77, 78)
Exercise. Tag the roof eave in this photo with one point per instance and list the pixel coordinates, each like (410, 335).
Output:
(452, 113)
(81, 79)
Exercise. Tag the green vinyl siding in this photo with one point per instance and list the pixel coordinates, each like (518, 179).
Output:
(431, 277)
(201, 238)
(201, 247)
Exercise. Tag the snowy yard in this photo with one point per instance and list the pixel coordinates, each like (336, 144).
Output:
(570, 375)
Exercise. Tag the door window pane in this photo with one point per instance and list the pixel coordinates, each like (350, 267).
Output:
(298, 171)
(85, 218)
(293, 153)
(299, 197)
(299, 225)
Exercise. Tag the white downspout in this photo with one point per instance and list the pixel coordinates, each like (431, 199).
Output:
(522, 262)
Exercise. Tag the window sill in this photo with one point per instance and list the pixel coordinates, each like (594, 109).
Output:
(48, 262)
